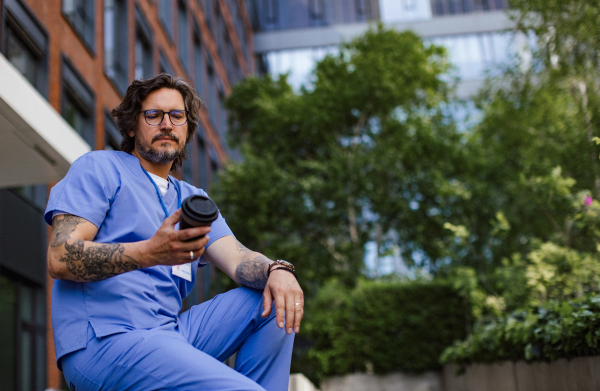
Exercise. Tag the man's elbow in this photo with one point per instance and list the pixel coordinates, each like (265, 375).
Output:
(55, 268)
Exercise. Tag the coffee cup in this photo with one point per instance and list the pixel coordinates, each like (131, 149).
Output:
(197, 211)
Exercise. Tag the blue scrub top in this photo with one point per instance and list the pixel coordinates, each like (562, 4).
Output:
(111, 190)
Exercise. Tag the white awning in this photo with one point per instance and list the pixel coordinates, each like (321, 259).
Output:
(36, 144)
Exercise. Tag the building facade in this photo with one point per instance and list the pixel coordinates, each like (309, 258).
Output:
(473, 31)
(64, 64)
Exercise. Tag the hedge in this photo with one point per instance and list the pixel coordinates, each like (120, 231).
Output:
(558, 330)
(381, 326)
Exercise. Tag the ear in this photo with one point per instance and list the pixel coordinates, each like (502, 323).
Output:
(131, 133)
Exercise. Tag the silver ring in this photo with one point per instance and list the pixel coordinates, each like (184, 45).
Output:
(192, 255)
(297, 303)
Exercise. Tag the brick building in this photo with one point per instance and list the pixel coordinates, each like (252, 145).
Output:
(64, 64)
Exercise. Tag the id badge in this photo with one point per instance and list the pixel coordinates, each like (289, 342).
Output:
(184, 271)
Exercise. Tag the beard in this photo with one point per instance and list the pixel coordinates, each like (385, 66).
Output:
(165, 156)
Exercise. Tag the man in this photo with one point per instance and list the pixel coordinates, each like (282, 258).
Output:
(116, 256)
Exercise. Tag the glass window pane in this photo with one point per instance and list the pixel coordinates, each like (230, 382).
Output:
(40, 360)
(8, 331)
(26, 304)
(21, 57)
(26, 370)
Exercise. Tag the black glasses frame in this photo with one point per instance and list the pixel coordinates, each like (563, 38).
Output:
(163, 116)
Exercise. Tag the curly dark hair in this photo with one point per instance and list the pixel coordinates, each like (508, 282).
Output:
(127, 113)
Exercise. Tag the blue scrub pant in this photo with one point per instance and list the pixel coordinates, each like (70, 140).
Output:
(188, 354)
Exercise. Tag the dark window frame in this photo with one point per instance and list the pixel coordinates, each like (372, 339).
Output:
(117, 70)
(75, 88)
(143, 33)
(85, 32)
(17, 17)
(165, 17)
(198, 60)
(111, 132)
(164, 64)
(183, 35)
(36, 327)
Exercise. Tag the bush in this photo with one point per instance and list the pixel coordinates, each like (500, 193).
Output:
(559, 329)
(381, 325)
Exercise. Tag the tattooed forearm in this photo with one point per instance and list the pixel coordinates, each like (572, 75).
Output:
(91, 262)
(97, 262)
(252, 272)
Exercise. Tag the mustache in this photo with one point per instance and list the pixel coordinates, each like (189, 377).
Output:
(166, 135)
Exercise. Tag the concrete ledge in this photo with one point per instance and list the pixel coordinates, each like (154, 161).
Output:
(428, 381)
(579, 374)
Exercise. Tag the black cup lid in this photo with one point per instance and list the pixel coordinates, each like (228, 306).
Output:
(200, 208)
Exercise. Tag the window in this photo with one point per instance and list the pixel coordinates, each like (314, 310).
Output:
(143, 47)
(165, 15)
(202, 162)
(80, 14)
(112, 136)
(208, 9)
(183, 36)
(165, 66)
(22, 325)
(362, 10)
(445, 7)
(25, 44)
(214, 166)
(223, 124)
(115, 43)
(212, 97)
(198, 63)
(271, 11)
(35, 195)
(77, 103)
(187, 168)
(316, 11)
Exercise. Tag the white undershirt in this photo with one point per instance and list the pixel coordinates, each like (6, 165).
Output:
(162, 183)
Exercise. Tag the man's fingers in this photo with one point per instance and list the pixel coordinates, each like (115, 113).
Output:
(298, 313)
(267, 303)
(173, 219)
(280, 310)
(289, 314)
(191, 233)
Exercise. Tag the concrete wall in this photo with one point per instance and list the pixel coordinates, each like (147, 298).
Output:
(299, 382)
(580, 374)
(429, 381)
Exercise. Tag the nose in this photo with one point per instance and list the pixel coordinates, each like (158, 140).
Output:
(166, 122)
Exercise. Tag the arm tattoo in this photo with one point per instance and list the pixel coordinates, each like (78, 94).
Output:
(253, 272)
(97, 262)
(241, 248)
(63, 227)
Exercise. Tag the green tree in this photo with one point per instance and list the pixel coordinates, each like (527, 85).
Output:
(368, 153)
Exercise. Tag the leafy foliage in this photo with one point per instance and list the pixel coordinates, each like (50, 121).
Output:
(558, 329)
(367, 154)
(385, 326)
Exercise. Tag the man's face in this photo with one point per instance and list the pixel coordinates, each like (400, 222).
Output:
(163, 143)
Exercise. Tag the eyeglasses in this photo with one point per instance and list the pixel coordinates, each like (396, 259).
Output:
(155, 117)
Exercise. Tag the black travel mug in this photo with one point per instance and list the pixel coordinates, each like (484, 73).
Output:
(197, 211)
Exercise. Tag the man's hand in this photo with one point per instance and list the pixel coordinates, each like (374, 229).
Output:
(170, 246)
(249, 268)
(283, 288)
